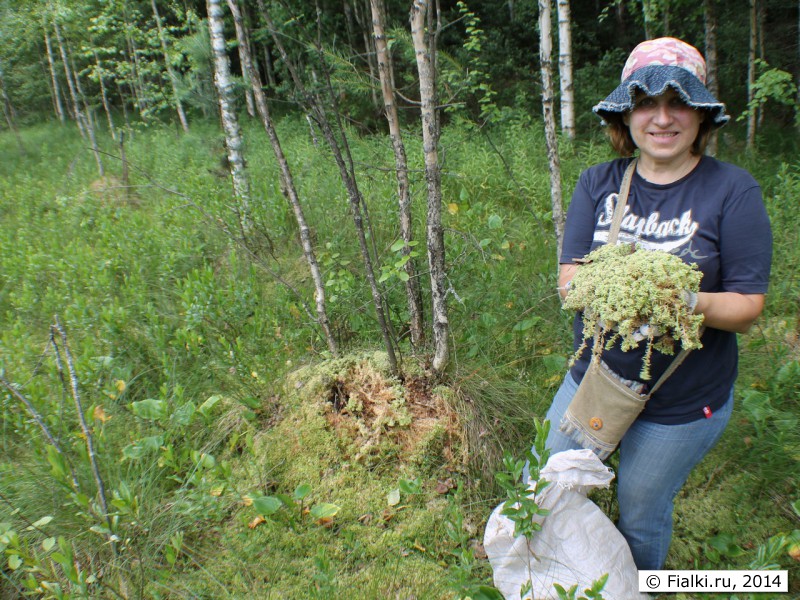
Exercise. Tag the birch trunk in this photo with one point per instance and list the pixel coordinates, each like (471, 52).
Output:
(104, 96)
(315, 108)
(425, 57)
(59, 107)
(369, 49)
(173, 78)
(565, 68)
(287, 181)
(751, 75)
(712, 83)
(88, 121)
(551, 140)
(386, 73)
(230, 123)
(761, 16)
(647, 13)
(136, 81)
(79, 120)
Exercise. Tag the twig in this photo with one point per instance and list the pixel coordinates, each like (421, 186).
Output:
(73, 377)
(42, 425)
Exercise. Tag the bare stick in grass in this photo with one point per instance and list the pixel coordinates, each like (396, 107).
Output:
(42, 425)
(87, 432)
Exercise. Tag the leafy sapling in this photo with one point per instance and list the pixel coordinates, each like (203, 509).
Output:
(522, 505)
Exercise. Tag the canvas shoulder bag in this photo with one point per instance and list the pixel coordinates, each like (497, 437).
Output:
(605, 405)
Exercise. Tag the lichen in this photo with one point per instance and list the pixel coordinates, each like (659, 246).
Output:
(622, 288)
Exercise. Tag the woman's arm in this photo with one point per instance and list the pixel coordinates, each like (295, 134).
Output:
(729, 311)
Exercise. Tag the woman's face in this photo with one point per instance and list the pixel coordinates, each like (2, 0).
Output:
(663, 127)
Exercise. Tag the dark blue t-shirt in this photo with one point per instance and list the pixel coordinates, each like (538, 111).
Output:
(713, 217)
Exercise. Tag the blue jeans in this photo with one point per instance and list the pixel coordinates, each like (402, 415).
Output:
(654, 462)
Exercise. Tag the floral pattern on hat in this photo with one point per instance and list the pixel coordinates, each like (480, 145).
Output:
(667, 51)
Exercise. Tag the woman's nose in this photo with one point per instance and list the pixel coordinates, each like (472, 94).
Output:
(662, 114)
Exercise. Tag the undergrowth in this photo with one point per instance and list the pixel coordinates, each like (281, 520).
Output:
(206, 389)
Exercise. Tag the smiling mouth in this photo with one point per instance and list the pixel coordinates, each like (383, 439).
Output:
(666, 135)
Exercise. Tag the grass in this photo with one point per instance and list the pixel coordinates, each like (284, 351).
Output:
(206, 385)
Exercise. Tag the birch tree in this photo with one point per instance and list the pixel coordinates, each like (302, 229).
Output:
(82, 118)
(59, 107)
(712, 82)
(551, 139)
(99, 74)
(79, 118)
(173, 78)
(751, 74)
(565, 68)
(424, 50)
(230, 122)
(315, 110)
(288, 187)
(386, 74)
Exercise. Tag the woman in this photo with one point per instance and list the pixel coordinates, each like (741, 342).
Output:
(704, 211)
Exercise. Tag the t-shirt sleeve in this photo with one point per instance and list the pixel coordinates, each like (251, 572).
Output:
(579, 226)
(745, 244)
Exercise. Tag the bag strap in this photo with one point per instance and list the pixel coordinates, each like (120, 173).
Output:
(622, 202)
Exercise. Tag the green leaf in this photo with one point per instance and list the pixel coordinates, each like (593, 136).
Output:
(184, 414)
(48, 544)
(266, 505)
(398, 245)
(526, 324)
(208, 406)
(301, 491)
(324, 511)
(14, 562)
(394, 497)
(495, 222)
(403, 276)
(486, 592)
(40, 523)
(150, 409)
(143, 447)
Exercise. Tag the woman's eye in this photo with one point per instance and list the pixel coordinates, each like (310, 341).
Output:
(644, 103)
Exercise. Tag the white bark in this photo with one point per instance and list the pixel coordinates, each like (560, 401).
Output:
(287, 181)
(230, 122)
(430, 141)
(314, 106)
(565, 69)
(751, 75)
(104, 95)
(710, 22)
(386, 73)
(173, 78)
(79, 119)
(551, 139)
(59, 107)
(88, 121)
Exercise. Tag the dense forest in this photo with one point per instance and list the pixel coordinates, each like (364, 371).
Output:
(277, 287)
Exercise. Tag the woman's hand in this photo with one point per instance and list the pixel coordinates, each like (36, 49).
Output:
(729, 311)
(566, 272)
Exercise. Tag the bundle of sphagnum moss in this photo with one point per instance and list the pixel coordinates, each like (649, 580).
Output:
(621, 288)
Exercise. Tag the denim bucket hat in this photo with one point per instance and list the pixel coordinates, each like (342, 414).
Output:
(657, 64)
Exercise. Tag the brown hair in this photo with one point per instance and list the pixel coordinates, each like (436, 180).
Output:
(623, 144)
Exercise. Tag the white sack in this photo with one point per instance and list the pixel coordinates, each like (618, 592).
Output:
(577, 543)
